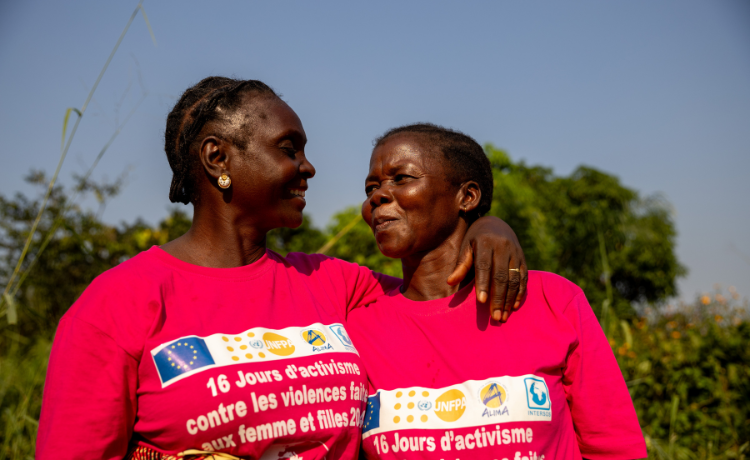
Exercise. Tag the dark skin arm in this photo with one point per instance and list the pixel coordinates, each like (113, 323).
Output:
(491, 248)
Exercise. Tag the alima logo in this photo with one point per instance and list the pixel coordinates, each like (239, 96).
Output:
(451, 405)
(278, 344)
(314, 337)
(493, 395)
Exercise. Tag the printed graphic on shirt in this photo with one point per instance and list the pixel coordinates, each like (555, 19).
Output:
(472, 403)
(190, 355)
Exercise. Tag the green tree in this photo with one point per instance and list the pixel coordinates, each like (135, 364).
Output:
(71, 247)
(560, 221)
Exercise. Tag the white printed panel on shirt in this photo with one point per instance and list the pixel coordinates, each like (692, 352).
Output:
(189, 355)
(471, 403)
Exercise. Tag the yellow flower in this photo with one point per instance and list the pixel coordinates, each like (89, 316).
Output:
(676, 334)
(718, 318)
(705, 300)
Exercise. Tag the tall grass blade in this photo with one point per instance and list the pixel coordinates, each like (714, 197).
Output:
(327, 247)
(672, 420)
(607, 274)
(148, 24)
(64, 153)
(61, 218)
(12, 310)
(65, 124)
(627, 333)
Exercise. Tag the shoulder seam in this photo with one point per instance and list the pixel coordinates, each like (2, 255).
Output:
(580, 293)
(106, 334)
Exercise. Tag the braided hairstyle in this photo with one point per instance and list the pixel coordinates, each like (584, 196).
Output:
(464, 159)
(213, 99)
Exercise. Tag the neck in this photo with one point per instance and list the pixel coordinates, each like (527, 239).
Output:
(219, 239)
(425, 273)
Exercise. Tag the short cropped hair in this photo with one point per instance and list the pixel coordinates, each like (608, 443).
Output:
(465, 159)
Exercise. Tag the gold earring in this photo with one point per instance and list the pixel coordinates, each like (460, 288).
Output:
(224, 181)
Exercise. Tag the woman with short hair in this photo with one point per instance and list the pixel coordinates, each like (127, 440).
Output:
(212, 345)
(555, 393)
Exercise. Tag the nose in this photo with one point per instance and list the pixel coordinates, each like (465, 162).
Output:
(380, 196)
(306, 168)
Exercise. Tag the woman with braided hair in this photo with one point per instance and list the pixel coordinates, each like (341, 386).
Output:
(211, 345)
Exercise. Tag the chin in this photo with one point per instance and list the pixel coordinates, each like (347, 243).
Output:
(392, 251)
(293, 221)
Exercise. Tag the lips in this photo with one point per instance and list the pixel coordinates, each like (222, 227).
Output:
(381, 223)
(300, 193)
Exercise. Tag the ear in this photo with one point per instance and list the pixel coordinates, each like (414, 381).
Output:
(215, 156)
(469, 196)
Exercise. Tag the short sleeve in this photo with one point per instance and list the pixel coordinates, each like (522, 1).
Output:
(364, 286)
(352, 285)
(605, 421)
(89, 402)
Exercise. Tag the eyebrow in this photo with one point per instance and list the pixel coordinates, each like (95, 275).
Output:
(292, 134)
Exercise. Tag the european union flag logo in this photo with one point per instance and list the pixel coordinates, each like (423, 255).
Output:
(372, 415)
(181, 356)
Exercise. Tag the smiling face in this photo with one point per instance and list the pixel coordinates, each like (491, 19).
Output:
(411, 207)
(269, 177)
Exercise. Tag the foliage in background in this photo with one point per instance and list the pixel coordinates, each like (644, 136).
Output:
(558, 221)
(687, 369)
(82, 248)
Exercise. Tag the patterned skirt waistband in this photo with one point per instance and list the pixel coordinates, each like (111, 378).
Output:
(147, 453)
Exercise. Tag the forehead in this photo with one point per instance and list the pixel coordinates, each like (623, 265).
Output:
(407, 148)
(272, 117)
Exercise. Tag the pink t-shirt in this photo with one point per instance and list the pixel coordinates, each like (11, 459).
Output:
(446, 383)
(253, 361)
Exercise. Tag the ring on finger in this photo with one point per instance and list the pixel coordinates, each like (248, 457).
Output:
(514, 270)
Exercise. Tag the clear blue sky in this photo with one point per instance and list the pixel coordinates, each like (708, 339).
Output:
(657, 93)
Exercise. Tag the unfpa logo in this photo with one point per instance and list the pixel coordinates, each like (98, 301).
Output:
(451, 405)
(278, 344)
(537, 393)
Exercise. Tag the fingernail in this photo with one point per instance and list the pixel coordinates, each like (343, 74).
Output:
(517, 304)
(496, 315)
(483, 297)
(505, 316)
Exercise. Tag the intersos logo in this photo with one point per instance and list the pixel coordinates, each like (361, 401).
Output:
(537, 393)
(342, 336)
